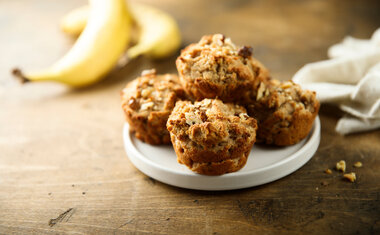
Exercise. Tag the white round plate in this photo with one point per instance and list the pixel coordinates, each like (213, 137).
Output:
(265, 164)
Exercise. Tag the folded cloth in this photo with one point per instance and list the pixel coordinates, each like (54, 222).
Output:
(349, 79)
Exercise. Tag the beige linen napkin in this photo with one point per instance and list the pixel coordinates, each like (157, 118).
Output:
(349, 79)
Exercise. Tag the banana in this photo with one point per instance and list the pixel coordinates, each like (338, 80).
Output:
(75, 21)
(159, 33)
(95, 52)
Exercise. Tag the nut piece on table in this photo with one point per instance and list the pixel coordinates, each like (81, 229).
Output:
(358, 164)
(350, 176)
(341, 166)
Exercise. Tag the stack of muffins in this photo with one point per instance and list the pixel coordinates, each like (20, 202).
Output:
(222, 103)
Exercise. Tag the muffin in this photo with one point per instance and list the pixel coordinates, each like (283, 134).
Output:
(285, 113)
(216, 68)
(211, 137)
(147, 102)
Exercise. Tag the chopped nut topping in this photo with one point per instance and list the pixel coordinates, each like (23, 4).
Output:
(358, 164)
(148, 72)
(218, 39)
(207, 102)
(275, 82)
(124, 93)
(328, 171)
(351, 176)
(260, 91)
(161, 87)
(341, 166)
(133, 103)
(229, 42)
(245, 51)
(286, 85)
(146, 106)
(243, 116)
(266, 92)
(192, 119)
(146, 92)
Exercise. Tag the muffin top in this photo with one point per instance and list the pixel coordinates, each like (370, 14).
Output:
(210, 124)
(217, 68)
(152, 93)
(284, 98)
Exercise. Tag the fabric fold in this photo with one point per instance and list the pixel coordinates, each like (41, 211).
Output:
(350, 79)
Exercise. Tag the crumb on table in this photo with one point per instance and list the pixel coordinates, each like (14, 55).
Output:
(341, 166)
(328, 171)
(350, 176)
(358, 164)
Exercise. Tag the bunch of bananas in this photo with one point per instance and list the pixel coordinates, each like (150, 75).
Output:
(105, 29)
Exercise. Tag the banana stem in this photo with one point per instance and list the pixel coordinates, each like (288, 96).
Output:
(123, 60)
(135, 51)
(129, 55)
(20, 76)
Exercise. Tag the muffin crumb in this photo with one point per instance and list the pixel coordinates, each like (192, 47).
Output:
(341, 166)
(350, 176)
(328, 171)
(358, 164)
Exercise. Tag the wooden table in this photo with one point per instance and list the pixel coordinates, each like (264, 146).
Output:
(63, 168)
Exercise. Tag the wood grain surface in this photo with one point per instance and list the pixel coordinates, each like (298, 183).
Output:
(62, 164)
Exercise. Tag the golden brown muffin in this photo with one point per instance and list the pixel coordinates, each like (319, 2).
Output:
(285, 113)
(211, 137)
(147, 102)
(215, 68)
